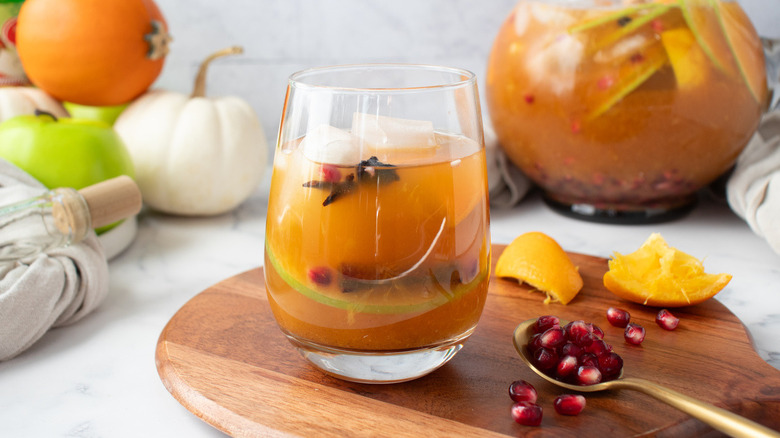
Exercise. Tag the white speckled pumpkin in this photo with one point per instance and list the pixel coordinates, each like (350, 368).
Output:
(17, 101)
(194, 155)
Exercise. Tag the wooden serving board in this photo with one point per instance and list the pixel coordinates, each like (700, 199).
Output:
(223, 358)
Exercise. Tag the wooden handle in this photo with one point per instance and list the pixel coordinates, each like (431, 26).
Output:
(112, 200)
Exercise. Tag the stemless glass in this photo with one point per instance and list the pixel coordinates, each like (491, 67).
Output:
(377, 250)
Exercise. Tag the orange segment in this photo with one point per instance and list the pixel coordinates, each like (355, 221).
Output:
(687, 59)
(659, 275)
(538, 260)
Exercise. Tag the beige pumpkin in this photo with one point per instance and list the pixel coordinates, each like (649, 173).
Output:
(194, 155)
(18, 101)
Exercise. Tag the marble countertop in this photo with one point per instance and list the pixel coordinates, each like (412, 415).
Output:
(97, 378)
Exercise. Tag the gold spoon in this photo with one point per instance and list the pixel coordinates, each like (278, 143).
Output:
(720, 419)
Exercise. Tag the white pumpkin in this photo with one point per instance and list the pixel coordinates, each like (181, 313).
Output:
(18, 101)
(194, 155)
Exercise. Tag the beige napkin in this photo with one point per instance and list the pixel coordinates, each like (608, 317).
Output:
(52, 289)
(506, 183)
(753, 190)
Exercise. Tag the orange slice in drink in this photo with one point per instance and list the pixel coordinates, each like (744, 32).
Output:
(659, 275)
(686, 57)
(538, 260)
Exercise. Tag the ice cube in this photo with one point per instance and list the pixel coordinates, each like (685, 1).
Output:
(391, 132)
(555, 61)
(327, 144)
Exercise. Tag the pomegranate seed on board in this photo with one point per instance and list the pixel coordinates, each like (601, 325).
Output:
(634, 334)
(618, 317)
(520, 391)
(527, 414)
(569, 404)
(666, 320)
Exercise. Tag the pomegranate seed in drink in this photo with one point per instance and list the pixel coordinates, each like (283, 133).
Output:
(618, 317)
(588, 375)
(320, 275)
(552, 338)
(566, 366)
(330, 173)
(522, 391)
(546, 322)
(666, 320)
(545, 358)
(634, 334)
(569, 404)
(527, 413)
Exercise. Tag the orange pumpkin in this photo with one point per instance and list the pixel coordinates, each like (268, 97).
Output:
(92, 52)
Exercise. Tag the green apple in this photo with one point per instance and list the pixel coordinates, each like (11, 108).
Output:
(107, 114)
(64, 152)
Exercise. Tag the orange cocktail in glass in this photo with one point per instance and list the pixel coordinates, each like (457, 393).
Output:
(377, 244)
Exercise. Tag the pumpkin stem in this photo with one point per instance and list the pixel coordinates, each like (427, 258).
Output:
(40, 112)
(199, 90)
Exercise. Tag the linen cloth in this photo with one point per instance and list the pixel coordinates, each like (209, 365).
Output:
(753, 190)
(51, 289)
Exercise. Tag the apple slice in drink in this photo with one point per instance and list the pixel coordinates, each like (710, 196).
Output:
(630, 73)
(745, 46)
(373, 299)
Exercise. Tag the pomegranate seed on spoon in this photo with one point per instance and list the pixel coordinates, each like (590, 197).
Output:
(543, 323)
(566, 366)
(588, 375)
(552, 338)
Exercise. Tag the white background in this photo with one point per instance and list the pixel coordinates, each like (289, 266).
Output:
(283, 36)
